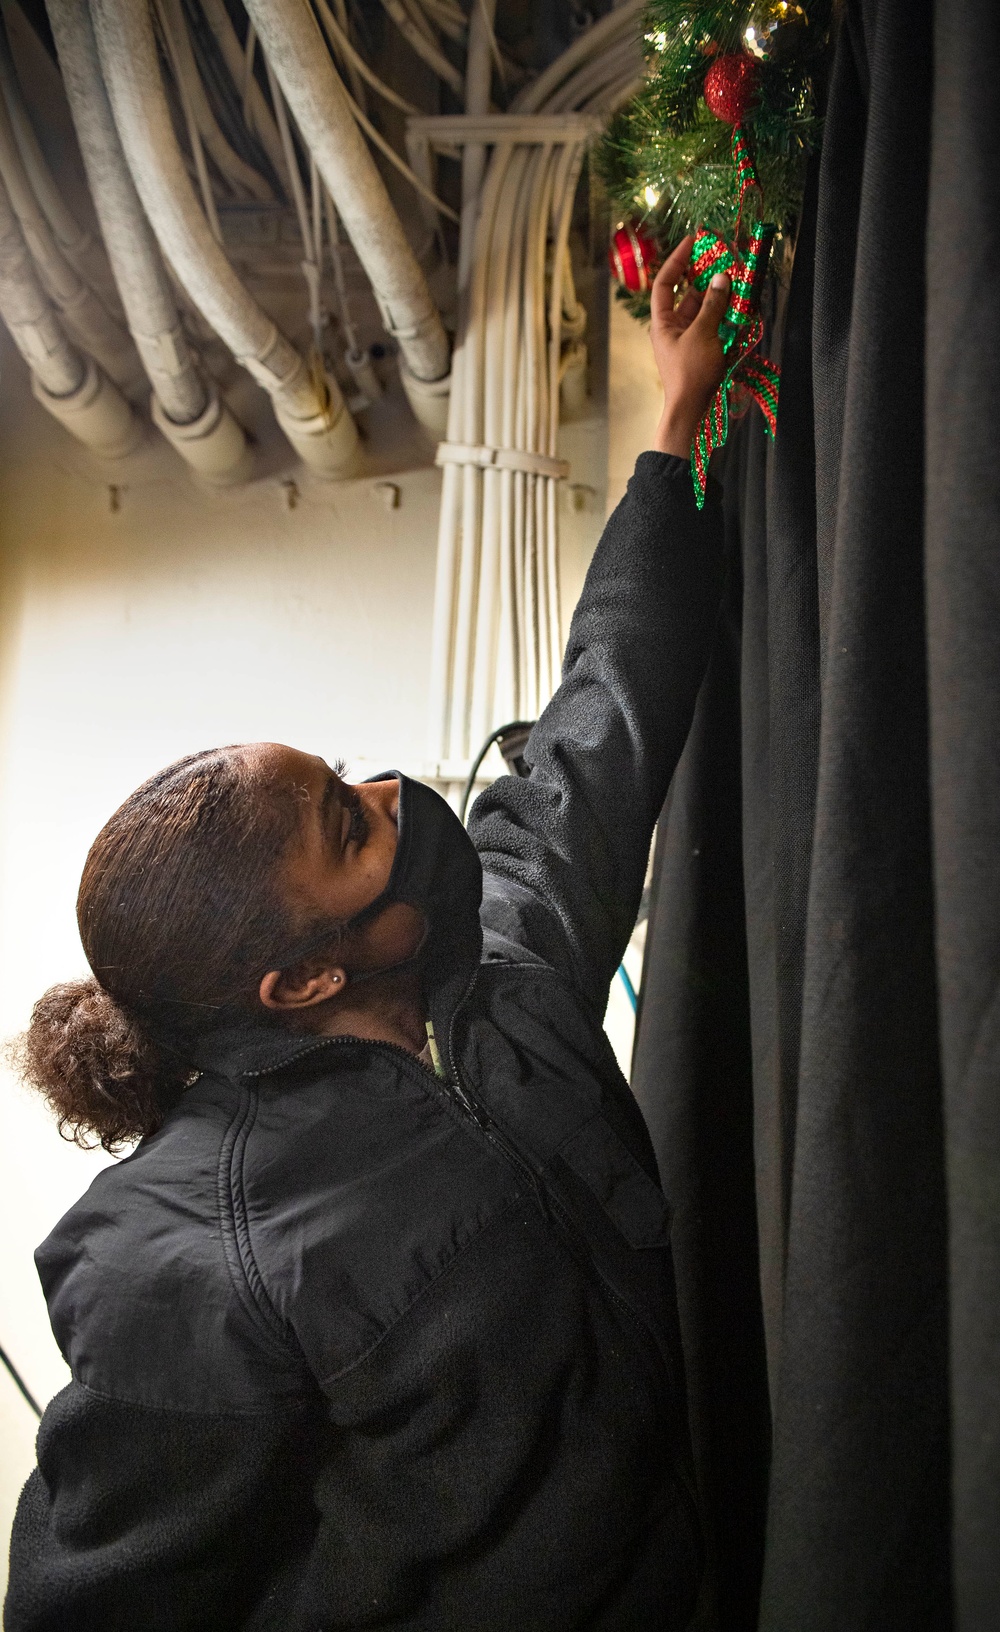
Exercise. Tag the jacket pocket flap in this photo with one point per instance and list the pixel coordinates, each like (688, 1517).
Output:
(635, 1205)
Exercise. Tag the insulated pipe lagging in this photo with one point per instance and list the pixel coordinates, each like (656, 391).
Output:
(77, 244)
(318, 425)
(97, 330)
(185, 407)
(30, 316)
(69, 384)
(290, 35)
(135, 257)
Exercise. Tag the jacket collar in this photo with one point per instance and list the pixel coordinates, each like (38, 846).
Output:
(251, 1047)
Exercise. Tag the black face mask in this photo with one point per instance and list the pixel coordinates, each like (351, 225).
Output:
(436, 869)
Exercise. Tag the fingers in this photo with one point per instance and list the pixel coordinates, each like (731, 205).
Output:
(672, 270)
(688, 309)
(669, 276)
(713, 306)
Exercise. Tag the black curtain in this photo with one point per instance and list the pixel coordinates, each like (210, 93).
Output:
(818, 1053)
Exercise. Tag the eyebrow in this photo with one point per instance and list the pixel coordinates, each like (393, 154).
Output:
(331, 797)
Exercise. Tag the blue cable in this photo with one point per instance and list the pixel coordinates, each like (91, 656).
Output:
(630, 989)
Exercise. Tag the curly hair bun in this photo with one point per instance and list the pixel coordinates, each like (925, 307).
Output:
(104, 1079)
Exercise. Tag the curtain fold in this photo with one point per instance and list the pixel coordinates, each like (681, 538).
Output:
(694, 1029)
(818, 1053)
(963, 581)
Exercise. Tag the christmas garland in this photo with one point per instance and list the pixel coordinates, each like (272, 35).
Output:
(666, 159)
(753, 69)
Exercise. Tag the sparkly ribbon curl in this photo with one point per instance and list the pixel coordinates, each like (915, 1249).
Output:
(747, 379)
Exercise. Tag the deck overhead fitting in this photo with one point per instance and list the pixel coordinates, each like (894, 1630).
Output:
(312, 414)
(184, 405)
(291, 38)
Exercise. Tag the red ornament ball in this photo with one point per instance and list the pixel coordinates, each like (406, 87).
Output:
(731, 85)
(633, 257)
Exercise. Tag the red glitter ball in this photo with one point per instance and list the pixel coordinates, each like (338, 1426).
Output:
(731, 85)
(633, 257)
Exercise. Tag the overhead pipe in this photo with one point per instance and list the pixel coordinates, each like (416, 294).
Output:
(311, 412)
(73, 388)
(185, 405)
(290, 35)
(91, 322)
(77, 243)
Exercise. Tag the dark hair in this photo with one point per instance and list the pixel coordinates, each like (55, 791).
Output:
(180, 916)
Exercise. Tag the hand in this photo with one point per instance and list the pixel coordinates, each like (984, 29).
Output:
(687, 349)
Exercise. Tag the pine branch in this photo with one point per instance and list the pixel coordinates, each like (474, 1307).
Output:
(665, 159)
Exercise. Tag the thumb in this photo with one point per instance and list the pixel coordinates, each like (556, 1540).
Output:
(713, 307)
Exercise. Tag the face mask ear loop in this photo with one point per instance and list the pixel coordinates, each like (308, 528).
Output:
(392, 968)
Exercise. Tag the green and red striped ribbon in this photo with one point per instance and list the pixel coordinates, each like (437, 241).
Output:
(747, 378)
(746, 175)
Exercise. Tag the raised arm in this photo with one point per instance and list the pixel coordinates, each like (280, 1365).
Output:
(564, 850)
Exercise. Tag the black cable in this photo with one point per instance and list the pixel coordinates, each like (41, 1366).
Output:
(494, 736)
(19, 1380)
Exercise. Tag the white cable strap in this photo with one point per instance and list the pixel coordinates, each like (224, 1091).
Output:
(534, 464)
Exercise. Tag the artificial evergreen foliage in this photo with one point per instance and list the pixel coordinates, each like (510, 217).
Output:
(666, 159)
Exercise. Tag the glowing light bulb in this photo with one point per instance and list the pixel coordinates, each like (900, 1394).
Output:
(651, 196)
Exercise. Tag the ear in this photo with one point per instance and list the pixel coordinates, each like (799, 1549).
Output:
(301, 987)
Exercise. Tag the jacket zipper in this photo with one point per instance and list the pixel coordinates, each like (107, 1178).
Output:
(548, 1204)
(454, 1090)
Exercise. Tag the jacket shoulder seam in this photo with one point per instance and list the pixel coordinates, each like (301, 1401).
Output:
(286, 1405)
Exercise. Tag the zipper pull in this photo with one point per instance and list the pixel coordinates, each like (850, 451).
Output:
(435, 1053)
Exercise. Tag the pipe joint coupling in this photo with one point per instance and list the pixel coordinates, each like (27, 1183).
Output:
(429, 400)
(214, 444)
(327, 442)
(265, 363)
(422, 341)
(96, 413)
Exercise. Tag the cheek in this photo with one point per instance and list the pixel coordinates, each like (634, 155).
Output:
(395, 935)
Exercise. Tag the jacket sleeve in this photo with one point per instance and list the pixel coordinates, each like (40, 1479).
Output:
(564, 850)
(145, 1519)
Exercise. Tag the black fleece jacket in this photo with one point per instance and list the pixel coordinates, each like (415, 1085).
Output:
(356, 1348)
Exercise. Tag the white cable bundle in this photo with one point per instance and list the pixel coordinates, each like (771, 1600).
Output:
(498, 642)
(497, 637)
